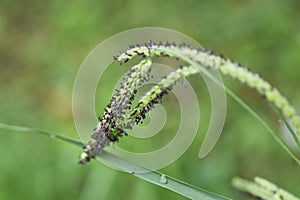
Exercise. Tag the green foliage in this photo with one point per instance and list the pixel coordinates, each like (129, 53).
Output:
(153, 177)
(263, 189)
(44, 42)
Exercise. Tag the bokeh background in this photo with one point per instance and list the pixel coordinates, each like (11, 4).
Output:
(42, 44)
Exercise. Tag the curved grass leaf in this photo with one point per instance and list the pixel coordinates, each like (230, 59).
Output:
(160, 179)
(269, 129)
(153, 177)
(239, 101)
(288, 126)
(42, 132)
(255, 115)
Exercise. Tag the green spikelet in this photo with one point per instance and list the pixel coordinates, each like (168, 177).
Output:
(208, 60)
(120, 114)
(155, 94)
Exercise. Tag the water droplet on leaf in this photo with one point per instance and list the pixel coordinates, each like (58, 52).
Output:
(163, 179)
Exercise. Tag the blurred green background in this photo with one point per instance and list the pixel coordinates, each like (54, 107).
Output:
(42, 44)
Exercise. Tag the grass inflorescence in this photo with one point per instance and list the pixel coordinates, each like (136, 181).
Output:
(120, 115)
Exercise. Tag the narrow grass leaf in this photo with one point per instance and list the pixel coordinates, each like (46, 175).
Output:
(153, 177)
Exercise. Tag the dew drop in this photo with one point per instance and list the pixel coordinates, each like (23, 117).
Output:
(51, 135)
(163, 179)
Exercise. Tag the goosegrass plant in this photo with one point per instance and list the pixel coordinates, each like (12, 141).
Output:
(122, 114)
